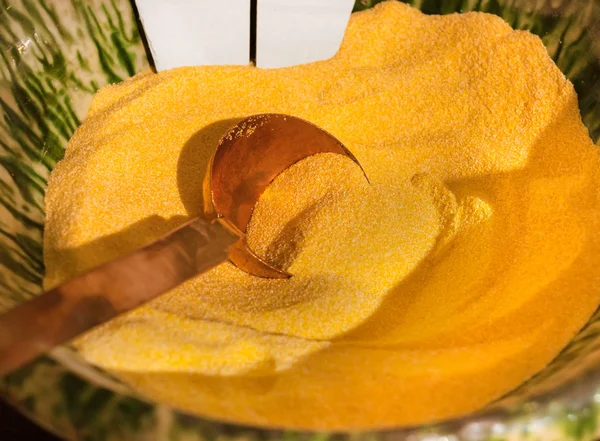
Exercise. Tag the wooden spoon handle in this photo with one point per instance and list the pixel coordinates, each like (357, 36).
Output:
(106, 291)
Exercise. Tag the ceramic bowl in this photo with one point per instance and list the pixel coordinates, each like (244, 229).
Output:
(54, 54)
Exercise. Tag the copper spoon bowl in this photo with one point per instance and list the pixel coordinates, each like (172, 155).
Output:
(247, 159)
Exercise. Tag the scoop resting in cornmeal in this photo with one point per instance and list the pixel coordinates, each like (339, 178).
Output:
(462, 269)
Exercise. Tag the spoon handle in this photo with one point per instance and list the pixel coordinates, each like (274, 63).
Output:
(58, 315)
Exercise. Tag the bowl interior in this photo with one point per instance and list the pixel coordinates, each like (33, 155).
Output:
(56, 53)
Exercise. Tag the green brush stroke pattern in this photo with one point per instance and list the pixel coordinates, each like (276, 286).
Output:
(49, 70)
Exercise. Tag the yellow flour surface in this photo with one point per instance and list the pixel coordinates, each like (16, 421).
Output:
(467, 264)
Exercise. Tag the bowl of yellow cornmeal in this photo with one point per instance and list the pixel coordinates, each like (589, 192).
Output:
(452, 297)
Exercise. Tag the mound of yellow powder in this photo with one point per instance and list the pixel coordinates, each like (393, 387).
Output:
(463, 269)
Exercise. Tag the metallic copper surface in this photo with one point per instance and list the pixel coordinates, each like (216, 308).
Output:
(248, 158)
(253, 153)
(101, 294)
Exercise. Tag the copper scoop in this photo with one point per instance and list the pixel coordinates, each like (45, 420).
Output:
(247, 159)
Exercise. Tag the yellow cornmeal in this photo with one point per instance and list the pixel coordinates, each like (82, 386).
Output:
(467, 264)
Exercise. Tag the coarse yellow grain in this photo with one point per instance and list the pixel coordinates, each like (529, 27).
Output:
(462, 269)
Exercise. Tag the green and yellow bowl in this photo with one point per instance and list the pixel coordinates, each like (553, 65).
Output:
(55, 54)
